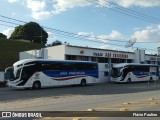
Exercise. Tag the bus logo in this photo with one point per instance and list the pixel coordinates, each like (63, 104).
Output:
(37, 76)
(6, 114)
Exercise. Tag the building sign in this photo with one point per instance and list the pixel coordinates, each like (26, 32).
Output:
(120, 55)
(108, 55)
(98, 54)
(111, 55)
(152, 58)
(82, 52)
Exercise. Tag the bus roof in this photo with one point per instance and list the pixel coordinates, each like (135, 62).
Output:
(132, 64)
(47, 60)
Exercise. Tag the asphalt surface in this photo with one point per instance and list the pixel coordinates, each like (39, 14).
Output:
(10, 94)
(100, 97)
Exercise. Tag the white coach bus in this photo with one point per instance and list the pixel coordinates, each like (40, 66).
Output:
(37, 73)
(134, 72)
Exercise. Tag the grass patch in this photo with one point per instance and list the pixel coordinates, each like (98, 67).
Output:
(9, 51)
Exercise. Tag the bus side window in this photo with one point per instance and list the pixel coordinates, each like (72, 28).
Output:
(126, 71)
(79, 67)
(67, 66)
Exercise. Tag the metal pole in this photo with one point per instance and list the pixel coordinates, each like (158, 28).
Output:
(41, 34)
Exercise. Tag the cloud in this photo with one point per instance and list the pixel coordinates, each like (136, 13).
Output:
(36, 5)
(50, 37)
(141, 3)
(113, 35)
(112, 47)
(8, 32)
(50, 34)
(40, 15)
(41, 7)
(148, 34)
(38, 9)
(112, 38)
(13, 13)
(63, 5)
(85, 33)
(12, 1)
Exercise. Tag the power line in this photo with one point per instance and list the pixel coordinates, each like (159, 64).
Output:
(81, 36)
(70, 34)
(75, 36)
(87, 36)
(134, 12)
(12, 19)
(63, 33)
(9, 22)
(7, 25)
(102, 4)
(89, 40)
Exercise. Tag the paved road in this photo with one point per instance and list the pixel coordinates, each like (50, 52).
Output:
(9, 94)
(102, 97)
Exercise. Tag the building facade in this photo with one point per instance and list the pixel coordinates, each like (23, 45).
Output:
(105, 58)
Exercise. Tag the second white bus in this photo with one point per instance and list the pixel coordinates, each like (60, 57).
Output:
(134, 72)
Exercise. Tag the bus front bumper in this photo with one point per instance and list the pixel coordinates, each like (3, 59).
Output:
(13, 85)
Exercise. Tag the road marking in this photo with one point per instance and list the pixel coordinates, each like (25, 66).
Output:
(131, 105)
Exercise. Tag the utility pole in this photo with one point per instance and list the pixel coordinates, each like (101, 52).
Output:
(41, 35)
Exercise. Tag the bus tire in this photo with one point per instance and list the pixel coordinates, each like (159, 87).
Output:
(129, 80)
(36, 85)
(83, 82)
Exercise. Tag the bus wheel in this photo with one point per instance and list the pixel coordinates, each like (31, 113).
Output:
(129, 80)
(36, 85)
(83, 82)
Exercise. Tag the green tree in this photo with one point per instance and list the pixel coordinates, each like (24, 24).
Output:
(16, 33)
(3, 36)
(31, 31)
(57, 42)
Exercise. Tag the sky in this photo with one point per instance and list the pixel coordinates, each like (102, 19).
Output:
(106, 24)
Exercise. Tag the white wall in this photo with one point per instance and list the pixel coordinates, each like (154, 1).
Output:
(42, 53)
(103, 67)
(1, 76)
(77, 51)
(140, 56)
(28, 54)
(56, 52)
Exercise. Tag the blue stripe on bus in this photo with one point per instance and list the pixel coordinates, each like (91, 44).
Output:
(69, 73)
(144, 74)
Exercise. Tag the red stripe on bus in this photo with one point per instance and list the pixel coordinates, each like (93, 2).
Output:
(68, 78)
(142, 76)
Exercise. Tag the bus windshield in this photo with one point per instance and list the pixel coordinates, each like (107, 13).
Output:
(17, 73)
(11, 73)
(116, 72)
